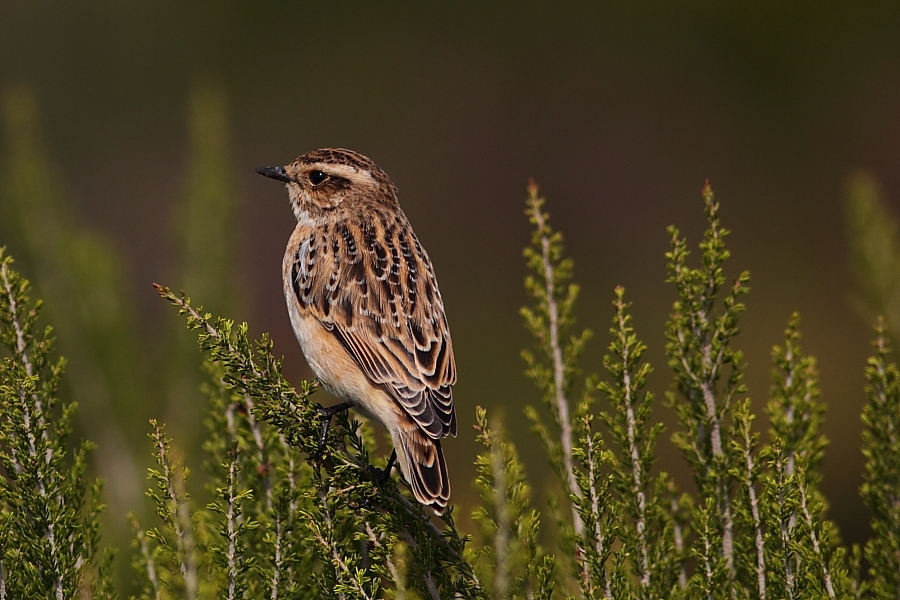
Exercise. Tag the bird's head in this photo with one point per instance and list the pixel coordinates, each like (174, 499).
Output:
(322, 181)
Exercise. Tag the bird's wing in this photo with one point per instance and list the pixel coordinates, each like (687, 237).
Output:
(372, 286)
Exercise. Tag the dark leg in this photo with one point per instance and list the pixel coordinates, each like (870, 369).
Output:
(382, 475)
(325, 414)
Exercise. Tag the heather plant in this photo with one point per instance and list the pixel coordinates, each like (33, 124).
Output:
(119, 377)
(49, 509)
(274, 511)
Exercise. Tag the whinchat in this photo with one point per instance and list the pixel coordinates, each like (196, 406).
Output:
(365, 307)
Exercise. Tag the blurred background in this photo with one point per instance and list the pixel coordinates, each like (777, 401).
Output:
(130, 133)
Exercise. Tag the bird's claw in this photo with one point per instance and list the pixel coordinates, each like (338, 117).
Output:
(325, 415)
(379, 476)
(382, 475)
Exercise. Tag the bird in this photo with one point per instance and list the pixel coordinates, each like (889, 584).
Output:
(366, 310)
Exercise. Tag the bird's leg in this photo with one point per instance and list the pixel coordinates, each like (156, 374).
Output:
(382, 475)
(325, 414)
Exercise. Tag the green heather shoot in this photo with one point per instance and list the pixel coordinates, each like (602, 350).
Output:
(292, 512)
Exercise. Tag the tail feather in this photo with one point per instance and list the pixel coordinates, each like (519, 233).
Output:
(421, 461)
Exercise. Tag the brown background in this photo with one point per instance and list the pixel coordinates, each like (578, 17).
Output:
(619, 113)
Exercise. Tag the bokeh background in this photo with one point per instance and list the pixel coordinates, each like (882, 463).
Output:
(131, 130)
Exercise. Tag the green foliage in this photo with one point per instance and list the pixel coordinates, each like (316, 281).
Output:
(80, 275)
(509, 560)
(708, 373)
(874, 240)
(597, 509)
(794, 412)
(176, 553)
(881, 449)
(206, 214)
(712, 578)
(203, 223)
(48, 510)
(646, 526)
(629, 545)
(287, 518)
(119, 375)
(802, 556)
(757, 527)
(553, 363)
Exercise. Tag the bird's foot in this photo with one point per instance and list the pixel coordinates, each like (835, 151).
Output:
(326, 413)
(382, 475)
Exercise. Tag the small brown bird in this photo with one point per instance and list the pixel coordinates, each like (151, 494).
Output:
(365, 307)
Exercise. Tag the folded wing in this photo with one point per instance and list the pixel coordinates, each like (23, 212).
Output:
(372, 285)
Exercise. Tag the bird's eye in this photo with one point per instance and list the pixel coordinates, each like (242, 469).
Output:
(317, 177)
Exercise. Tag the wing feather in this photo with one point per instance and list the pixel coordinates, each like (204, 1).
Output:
(372, 286)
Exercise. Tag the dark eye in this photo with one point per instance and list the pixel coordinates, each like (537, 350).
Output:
(317, 177)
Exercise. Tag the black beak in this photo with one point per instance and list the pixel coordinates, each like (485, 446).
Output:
(275, 173)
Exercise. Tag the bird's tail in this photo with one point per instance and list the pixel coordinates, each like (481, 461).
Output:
(421, 461)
